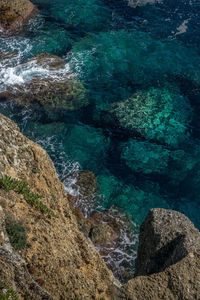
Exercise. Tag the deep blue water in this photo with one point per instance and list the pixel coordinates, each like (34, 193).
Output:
(141, 69)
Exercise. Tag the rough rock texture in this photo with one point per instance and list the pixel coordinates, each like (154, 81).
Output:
(180, 281)
(166, 236)
(14, 14)
(168, 262)
(58, 262)
(59, 90)
(57, 255)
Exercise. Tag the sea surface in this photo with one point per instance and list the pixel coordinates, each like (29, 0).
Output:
(140, 132)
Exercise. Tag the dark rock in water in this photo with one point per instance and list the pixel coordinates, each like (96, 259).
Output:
(84, 224)
(155, 114)
(49, 61)
(14, 14)
(53, 89)
(6, 55)
(145, 157)
(114, 234)
(177, 165)
(86, 187)
(87, 183)
(166, 237)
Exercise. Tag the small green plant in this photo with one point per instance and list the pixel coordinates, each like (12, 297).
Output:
(36, 170)
(21, 187)
(53, 197)
(6, 293)
(7, 183)
(17, 234)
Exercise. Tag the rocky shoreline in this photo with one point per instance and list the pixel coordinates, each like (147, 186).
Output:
(58, 262)
(47, 246)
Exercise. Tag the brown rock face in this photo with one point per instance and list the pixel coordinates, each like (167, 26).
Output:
(57, 260)
(180, 281)
(168, 262)
(166, 236)
(14, 14)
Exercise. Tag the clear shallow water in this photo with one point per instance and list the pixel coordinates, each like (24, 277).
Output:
(143, 146)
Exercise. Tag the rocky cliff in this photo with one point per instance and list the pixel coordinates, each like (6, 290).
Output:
(56, 257)
(43, 255)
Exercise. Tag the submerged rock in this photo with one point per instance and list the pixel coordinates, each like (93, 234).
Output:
(49, 86)
(136, 3)
(179, 166)
(14, 14)
(145, 157)
(156, 114)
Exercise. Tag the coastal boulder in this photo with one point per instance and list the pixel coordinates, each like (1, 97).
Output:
(14, 14)
(168, 262)
(180, 281)
(166, 237)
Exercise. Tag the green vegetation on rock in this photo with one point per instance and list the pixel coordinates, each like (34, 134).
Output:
(21, 187)
(6, 293)
(17, 234)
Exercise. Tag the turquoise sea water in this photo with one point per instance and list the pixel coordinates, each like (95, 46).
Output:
(140, 133)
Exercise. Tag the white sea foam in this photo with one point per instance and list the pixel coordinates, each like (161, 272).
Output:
(15, 71)
(19, 74)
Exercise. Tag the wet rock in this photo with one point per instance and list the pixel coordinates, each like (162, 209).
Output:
(86, 181)
(166, 237)
(114, 234)
(103, 234)
(48, 61)
(50, 88)
(85, 191)
(14, 15)
(84, 224)
(6, 55)
(156, 114)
